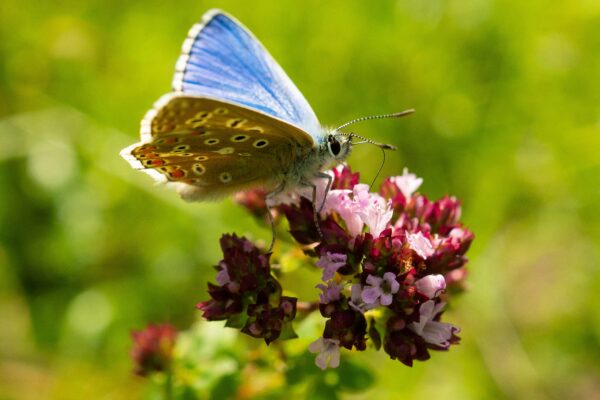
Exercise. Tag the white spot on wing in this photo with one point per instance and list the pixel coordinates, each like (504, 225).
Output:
(225, 150)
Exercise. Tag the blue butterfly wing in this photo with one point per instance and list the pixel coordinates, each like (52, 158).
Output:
(222, 59)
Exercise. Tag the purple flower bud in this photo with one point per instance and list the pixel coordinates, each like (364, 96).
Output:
(344, 178)
(330, 292)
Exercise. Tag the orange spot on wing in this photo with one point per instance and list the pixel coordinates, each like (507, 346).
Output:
(157, 161)
(172, 140)
(177, 174)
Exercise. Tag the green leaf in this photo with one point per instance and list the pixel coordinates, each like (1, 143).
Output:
(374, 334)
(226, 387)
(287, 331)
(354, 377)
(301, 368)
(237, 321)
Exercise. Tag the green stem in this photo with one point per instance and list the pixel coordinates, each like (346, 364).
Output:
(168, 384)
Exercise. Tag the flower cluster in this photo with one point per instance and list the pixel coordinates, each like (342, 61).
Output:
(247, 295)
(387, 260)
(153, 348)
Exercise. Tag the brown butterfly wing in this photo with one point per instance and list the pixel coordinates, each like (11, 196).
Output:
(212, 148)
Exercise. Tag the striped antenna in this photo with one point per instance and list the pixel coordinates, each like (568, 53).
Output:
(394, 115)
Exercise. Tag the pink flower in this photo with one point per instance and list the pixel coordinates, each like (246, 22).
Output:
(360, 209)
(456, 276)
(340, 202)
(407, 183)
(433, 332)
(373, 209)
(329, 352)
(344, 178)
(153, 348)
(330, 264)
(431, 285)
(420, 244)
(381, 290)
(331, 292)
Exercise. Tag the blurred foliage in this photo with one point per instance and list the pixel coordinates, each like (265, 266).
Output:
(508, 119)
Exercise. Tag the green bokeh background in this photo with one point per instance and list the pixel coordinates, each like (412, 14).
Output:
(508, 119)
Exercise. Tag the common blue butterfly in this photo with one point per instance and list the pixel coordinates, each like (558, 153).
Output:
(234, 121)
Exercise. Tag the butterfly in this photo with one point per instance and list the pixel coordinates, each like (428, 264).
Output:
(235, 121)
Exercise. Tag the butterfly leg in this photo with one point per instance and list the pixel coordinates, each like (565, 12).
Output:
(314, 204)
(327, 188)
(268, 197)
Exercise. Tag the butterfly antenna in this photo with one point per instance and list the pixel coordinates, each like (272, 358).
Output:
(379, 170)
(394, 115)
(383, 146)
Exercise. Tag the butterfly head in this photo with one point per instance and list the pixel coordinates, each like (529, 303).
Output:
(338, 146)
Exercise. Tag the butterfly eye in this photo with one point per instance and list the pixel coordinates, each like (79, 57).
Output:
(334, 147)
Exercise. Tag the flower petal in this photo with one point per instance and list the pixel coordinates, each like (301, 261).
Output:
(385, 299)
(431, 285)
(371, 294)
(408, 183)
(420, 244)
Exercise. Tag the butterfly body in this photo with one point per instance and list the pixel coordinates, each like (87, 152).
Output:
(234, 121)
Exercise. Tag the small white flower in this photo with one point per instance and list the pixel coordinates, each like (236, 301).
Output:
(329, 352)
(381, 290)
(356, 301)
(408, 183)
(431, 285)
(434, 332)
